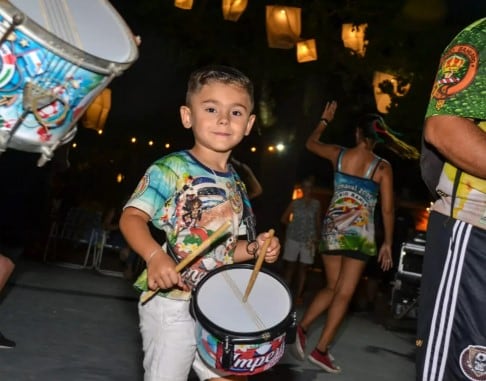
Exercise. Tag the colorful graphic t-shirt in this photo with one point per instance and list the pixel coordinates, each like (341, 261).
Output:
(460, 89)
(349, 220)
(189, 201)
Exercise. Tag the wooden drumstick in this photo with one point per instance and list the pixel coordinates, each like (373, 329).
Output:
(258, 265)
(180, 266)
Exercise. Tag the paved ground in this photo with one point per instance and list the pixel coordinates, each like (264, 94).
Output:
(78, 325)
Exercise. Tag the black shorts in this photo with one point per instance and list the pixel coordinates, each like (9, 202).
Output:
(348, 253)
(451, 330)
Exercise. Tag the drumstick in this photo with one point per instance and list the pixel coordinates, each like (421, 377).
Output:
(203, 246)
(258, 265)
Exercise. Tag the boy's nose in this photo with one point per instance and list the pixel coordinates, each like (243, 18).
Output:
(223, 118)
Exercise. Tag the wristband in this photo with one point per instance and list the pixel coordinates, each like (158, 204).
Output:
(252, 248)
(324, 120)
(152, 254)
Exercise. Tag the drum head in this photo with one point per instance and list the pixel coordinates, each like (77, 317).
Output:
(92, 26)
(219, 298)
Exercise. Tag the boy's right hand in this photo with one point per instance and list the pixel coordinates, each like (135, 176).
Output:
(161, 273)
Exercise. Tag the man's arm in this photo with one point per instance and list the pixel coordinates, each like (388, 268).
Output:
(460, 141)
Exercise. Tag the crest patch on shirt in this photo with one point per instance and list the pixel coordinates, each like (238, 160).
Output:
(473, 362)
(458, 68)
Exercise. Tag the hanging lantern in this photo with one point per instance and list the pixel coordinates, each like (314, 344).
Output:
(97, 112)
(283, 26)
(233, 9)
(387, 87)
(183, 4)
(306, 51)
(353, 37)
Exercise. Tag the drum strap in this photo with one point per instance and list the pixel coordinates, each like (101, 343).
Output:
(457, 178)
(248, 216)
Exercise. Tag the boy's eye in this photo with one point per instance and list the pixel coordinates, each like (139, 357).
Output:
(210, 109)
(237, 113)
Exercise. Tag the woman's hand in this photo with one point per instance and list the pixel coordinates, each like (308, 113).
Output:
(385, 257)
(329, 110)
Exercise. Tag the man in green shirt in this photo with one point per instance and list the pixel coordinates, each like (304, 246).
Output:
(451, 342)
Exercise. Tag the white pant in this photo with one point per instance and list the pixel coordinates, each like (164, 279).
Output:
(169, 341)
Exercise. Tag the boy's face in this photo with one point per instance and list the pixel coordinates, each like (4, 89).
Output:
(219, 115)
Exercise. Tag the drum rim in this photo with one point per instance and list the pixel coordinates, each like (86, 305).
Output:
(256, 337)
(64, 49)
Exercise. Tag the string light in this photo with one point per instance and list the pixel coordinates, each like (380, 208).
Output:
(133, 139)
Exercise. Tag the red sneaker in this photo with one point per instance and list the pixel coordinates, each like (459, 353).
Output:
(324, 361)
(299, 345)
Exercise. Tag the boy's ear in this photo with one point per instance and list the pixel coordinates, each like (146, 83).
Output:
(186, 116)
(249, 126)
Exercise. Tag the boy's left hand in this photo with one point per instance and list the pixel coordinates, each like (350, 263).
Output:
(273, 250)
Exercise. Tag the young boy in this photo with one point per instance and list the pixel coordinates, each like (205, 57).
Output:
(190, 194)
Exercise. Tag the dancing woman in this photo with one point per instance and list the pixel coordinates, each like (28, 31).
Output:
(348, 239)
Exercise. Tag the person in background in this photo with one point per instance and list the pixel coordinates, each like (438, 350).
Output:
(189, 194)
(451, 325)
(302, 217)
(253, 186)
(348, 233)
(7, 267)
(23, 208)
(114, 237)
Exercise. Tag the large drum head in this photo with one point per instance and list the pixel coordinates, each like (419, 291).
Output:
(219, 300)
(92, 26)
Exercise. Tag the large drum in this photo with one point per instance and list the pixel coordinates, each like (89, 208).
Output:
(56, 56)
(242, 338)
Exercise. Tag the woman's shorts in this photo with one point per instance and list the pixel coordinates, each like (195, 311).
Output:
(301, 251)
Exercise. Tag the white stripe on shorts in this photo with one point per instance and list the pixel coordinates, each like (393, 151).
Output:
(445, 304)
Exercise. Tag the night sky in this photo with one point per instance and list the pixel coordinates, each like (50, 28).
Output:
(147, 96)
(174, 42)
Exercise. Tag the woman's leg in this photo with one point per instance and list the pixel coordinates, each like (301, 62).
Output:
(301, 277)
(349, 276)
(289, 269)
(323, 298)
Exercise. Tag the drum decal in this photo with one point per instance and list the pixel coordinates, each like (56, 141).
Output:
(247, 359)
(7, 65)
(59, 93)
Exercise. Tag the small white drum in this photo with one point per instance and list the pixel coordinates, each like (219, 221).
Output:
(242, 338)
(56, 56)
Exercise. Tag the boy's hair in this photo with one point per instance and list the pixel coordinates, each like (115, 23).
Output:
(218, 73)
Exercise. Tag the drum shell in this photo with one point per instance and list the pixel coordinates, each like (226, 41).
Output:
(232, 346)
(70, 75)
(66, 50)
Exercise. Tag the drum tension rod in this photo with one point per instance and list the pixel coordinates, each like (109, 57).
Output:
(17, 19)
